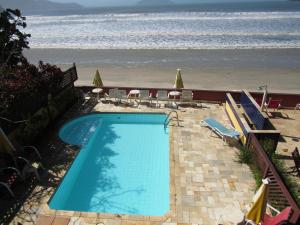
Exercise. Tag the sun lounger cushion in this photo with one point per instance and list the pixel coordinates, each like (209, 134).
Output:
(220, 128)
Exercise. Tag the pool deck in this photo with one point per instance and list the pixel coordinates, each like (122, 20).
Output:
(207, 184)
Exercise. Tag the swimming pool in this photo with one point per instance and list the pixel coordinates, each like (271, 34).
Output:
(122, 166)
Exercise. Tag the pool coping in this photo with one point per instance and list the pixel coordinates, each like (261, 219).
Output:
(47, 211)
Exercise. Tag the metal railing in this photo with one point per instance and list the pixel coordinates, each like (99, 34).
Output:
(170, 117)
(279, 196)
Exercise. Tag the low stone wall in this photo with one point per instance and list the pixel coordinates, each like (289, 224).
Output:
(216, 96)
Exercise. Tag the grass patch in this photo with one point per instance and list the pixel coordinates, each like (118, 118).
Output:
(245, 156)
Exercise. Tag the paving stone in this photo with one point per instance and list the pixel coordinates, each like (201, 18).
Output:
(61, 221)
(45, 220)
(206, 176)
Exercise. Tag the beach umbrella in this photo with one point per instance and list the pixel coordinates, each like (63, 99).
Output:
(97, 80)
(258, 208)
(178, 80)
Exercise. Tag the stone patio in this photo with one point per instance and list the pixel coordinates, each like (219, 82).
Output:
(208, 185)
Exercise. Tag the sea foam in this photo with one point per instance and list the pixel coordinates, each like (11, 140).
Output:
(166, 30)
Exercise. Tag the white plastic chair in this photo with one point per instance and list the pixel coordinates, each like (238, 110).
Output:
(144, 95)
(162, 95)
(186, 97)
(121, 94)
(112, 94)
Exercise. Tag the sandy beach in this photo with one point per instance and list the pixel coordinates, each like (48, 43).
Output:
(227, 69)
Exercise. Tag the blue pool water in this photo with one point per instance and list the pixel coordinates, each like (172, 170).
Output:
(122, 167)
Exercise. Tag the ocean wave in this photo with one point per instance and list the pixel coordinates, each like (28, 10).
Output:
(170, 34)
(59, 46)
(35, 20)
(180, 30)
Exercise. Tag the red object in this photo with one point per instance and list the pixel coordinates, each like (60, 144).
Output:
(274, 103)
(281, 218)
(258, 101)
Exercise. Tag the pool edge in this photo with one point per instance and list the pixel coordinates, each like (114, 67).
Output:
(46, 210)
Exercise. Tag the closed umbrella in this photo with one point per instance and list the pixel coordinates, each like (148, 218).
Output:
(178, 81)
(258, 208)
(97, 80)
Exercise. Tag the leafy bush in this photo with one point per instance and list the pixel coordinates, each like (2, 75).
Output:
(268, 146)
(244, 155)
(33, 127)
(64, 99)
(12, 40)
(256, 175)
(27, 80)
(59, 104)
(30, 130)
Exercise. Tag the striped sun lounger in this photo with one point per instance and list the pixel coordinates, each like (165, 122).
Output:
(220, 129)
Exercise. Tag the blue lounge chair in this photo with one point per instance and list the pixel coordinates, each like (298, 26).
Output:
(220, 129)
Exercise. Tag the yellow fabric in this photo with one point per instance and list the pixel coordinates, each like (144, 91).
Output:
(5, 144)
(178, 81)
(97, 80)
(235, 123)
(258, 208)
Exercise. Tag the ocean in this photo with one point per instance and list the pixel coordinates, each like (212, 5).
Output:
(205, 26)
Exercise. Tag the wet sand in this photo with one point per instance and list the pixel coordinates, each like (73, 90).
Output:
(226, 69)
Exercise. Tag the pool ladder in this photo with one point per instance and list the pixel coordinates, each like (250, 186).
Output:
(171, 117)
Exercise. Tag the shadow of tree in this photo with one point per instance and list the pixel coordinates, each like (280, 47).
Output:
(56, 159)
(96, 187)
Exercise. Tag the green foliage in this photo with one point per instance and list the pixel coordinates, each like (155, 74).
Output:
(42, 118)
(256, 175)
(64, 99)
(59, 104)
(26, 82)
(34, 126)
(244, 155)
(12, 40)
(269, 146)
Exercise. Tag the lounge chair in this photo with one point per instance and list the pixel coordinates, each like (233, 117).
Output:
(186, 97)
(25, 166)
(281, 218)
(28, 151)
(145, 95)
(9, 175)
(296, 158)
(28, 168)
(274, 104)
(220, 129)
(112, 94)
(121, 94)
(83, 98)
(162, 95)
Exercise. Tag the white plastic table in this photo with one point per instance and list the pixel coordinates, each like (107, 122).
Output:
(174, 94)
(133, 95)
(97, 91)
